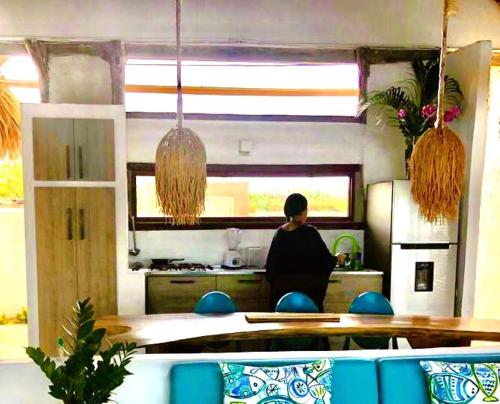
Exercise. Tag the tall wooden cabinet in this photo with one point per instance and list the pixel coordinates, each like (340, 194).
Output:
(76, 254)
(75, 208)
(56, 260)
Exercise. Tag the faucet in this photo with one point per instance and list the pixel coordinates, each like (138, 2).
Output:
(354, 242)
(355, 246)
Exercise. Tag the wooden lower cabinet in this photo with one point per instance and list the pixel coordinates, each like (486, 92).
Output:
(76, 255)
(344, 288)
(179, 294)
(176, 294)
(245, 290)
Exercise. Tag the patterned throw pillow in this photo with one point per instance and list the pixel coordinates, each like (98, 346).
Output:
(306, 383)
(462, 382)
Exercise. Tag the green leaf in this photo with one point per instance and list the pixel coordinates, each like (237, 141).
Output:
(80, 379)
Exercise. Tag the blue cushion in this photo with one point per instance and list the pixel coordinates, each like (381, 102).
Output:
(403, 379)
(354, 381)
(462, 382)
(310, 381)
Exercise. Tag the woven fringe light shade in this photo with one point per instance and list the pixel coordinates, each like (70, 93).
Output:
(437, 163)
(181, 163)
(10, 118)
(181, 176)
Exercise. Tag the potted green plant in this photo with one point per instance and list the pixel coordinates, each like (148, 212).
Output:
(82, 378)
(411, 106)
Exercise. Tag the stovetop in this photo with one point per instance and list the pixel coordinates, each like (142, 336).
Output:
(173, 266)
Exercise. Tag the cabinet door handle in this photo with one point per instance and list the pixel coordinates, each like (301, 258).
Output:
(334, 281)
(248, 280)
(69, 223)
(68, 162)
(82, 224)
(182, 282)
(80, 161)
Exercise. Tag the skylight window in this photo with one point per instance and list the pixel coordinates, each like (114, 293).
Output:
(244, 88)
(221, 87)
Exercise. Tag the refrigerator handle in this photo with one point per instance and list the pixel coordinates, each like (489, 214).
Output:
(425, 246)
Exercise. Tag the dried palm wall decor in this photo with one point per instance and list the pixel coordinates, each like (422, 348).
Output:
(437, 163)
(10, 118)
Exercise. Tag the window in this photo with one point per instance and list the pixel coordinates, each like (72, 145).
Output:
(252, 196)
(222, 88)
(21, 72)
(244, 88)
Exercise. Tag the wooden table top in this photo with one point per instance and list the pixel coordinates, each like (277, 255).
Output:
(202, 329)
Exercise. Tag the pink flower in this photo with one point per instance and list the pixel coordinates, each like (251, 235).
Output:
(402, 114)
(456, 110)
(428, 110)
(452, 113)
(449, 116)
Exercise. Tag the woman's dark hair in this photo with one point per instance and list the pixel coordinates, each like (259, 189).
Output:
(295, 204)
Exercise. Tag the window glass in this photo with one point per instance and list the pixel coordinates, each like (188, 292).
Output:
(238, 77)
(336, 87)
(258, 196)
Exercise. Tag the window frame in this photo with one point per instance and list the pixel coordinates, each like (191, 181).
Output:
(254, 170)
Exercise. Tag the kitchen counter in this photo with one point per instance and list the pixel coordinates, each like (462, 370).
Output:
(178, 292)
(250, 271)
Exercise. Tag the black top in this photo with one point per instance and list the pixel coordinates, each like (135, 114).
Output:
(299, 261)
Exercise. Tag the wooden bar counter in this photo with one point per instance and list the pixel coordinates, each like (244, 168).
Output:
(190, 328)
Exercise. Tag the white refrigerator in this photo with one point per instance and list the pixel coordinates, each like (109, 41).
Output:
(419, 259)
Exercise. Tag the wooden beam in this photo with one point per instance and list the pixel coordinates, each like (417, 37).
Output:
(231, 53)
(373, 56)
(20, 83)
(244, 118)
(279, 92)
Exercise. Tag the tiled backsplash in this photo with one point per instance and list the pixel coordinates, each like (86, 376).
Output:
(208, 246)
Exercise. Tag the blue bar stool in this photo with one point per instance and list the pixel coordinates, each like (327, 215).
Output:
(371, 303)
(216, 302)
(296, 302)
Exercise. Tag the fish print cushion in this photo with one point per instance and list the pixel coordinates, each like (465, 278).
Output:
(306, 383)
(454, 383)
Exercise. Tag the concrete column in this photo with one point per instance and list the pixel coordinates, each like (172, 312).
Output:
(79, 72)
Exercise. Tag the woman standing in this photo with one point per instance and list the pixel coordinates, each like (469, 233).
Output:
(298, 259)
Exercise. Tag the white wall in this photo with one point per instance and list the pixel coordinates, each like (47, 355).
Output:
(12, 262)
(208, 246)
(274, 142)
(487, 299)
(320, 22)
(471, 67)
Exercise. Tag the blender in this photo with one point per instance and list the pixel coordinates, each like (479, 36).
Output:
(232, 257)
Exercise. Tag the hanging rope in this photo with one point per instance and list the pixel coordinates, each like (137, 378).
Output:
(450, 8)
(180, 115)
(181, 161)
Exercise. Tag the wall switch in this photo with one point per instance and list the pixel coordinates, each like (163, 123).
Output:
(245, 147)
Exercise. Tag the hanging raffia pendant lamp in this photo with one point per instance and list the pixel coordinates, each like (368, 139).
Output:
(10, 118)
(437, 163)
(181, 163)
